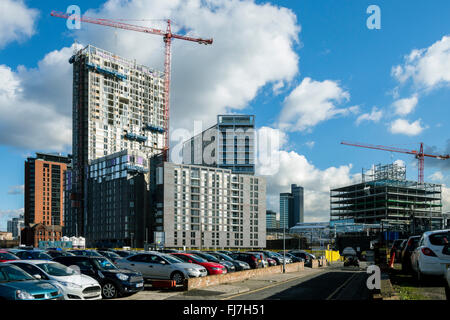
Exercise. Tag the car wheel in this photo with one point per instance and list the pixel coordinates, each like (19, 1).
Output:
(419, 275)
(178, 277)
(109, 290)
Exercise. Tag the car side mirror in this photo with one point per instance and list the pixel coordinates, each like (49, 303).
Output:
(37, 276)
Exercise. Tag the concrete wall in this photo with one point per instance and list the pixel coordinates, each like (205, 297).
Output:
(195, 283)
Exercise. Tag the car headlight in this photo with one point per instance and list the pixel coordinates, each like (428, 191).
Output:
(243, 264)
(23, 295)
(122, 276)
(189, 269)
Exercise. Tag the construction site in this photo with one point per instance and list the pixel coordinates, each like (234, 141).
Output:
(384, 197)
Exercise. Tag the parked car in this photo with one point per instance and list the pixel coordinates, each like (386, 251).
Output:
(16, 284)
(110, 255)
(272, 255)
(293, 258)
(113, 281)
(6, 256)
(33, 255)
(155, 265)
(263, 258)
(239, 265)
(210, 258)
(411, 245)
(211, 267)
(86, 253)
(122, 253)
(58, 253)
(224, 251)
(254, 260)
(307, 257)
(351, 260)
(429, 257)
(74, 286)
(167, 250)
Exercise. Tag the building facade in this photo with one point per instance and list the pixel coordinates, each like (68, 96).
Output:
(385, 197)
(291, 207)
(35, 232)
(229, 144)
(118, 200)
(206, 207)
(271, 219)
(117, 105)
(44, 192)
(15, 225)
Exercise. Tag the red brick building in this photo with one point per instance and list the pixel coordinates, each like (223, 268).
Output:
(33, 233)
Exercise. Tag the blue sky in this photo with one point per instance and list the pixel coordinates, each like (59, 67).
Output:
(334, 45)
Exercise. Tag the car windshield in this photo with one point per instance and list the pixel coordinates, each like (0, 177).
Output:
(42, 256)
(440, 239)
(56, 269)
(210, 257)
(172, 259)
(198, 258)
(225, 257)
(13, 273)
(103, 264)
(7, 256)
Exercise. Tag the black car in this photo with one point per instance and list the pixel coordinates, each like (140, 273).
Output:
(33, 255)
(86, 253)
(253, 259)
(114, 281)
(110, 255)
(307, 257)
(210, 258)
(410, 246)
(293, 258)
(239, 265)
(59, 253)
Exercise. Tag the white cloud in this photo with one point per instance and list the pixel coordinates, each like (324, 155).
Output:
(36, 104)
(375, 116)
(427, 67)
(15, 190)
(253, 47)
(295, 168)
(405, 106)
(312, 102)
(402, 126)
(17, 21)
(310, 144)
(436, 177)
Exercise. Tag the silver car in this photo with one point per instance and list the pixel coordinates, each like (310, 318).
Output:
(155, 265)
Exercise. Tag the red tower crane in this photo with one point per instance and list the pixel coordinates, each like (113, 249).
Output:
(420, 155)
(167, 37)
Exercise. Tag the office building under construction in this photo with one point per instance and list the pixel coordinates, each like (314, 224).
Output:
(385, 197)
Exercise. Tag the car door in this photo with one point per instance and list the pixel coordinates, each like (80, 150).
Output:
(136, 263)
(159, 267)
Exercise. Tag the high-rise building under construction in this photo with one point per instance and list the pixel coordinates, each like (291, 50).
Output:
(117, 105)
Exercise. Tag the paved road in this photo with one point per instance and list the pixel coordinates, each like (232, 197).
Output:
(336, 284)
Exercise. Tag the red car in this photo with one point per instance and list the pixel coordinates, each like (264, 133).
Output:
(211, 267)
(7, 256)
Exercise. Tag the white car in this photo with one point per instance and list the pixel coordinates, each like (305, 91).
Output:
(430, 258)
(155, 265)
(75, 286)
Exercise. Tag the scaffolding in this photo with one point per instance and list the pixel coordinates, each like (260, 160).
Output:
(385, 196)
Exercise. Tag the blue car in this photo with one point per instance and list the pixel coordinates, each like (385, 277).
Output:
(33, 255)
(16, 284)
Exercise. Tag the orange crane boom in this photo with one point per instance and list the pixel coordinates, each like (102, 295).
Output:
(420, 155)
(167, 37)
